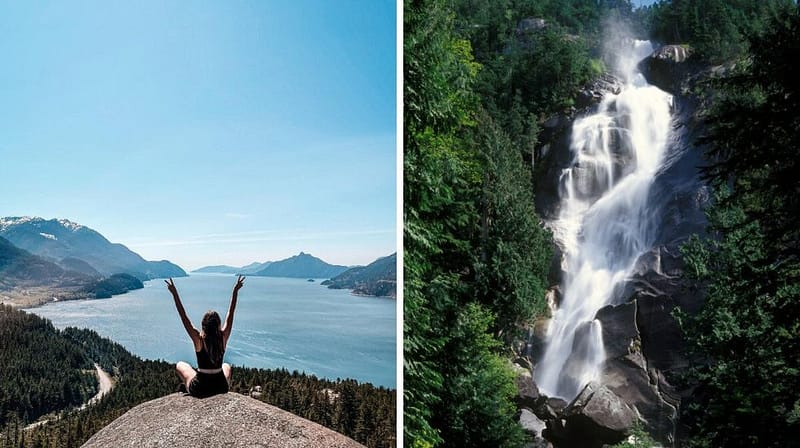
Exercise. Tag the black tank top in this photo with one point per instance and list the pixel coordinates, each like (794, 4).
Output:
(204, 360)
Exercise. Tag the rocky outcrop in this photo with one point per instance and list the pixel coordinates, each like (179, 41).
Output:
(229, 420)
(597, 416)
(645, 351)
(630, 375)
(553, 153)
(527, 392)
(668, 67)
(593, 92)
(534, 427)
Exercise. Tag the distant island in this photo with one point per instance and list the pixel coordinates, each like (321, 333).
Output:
(302, 265)
(378, 278)
(57, 259)
(225, 269)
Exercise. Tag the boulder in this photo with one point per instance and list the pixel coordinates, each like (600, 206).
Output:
(668, 67)
(597, 416)
(531, 423)
(594, 92)
(229, 420)
(527, 392)
(549, 409)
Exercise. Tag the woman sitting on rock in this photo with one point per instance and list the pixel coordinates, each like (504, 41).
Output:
(212, 375)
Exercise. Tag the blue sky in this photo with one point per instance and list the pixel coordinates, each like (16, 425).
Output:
(204, 132)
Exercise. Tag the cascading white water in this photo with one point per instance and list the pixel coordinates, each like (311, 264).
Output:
(604, 223)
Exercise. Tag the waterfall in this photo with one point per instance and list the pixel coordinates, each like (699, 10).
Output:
(604, 223)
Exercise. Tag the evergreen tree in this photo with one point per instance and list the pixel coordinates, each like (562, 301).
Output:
(747, 336)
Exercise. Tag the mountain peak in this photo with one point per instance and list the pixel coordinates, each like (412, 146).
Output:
(302, 265)
(14, 220)
(9, 221)
(74, 226)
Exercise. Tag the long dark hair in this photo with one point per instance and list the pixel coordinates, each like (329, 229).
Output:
(212, 337)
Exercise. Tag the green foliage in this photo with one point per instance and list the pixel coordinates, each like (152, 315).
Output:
(42, 372)
(510, 276)
(747, 336)
(531, 71)
(475, 252)
(717, 29)
(480, 387)
(440, 176)
(116, 284)
(540, 68)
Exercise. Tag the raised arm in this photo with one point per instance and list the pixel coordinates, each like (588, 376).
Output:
(187, 324)
(228, 325)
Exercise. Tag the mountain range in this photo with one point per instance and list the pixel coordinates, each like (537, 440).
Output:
(21, 269)
(302, 265)
(224, 269)
(81, 249)
(27, 279)
(378, 278)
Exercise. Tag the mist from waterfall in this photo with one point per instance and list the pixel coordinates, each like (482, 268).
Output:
(604, 222)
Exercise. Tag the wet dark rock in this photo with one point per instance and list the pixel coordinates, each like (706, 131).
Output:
(594, 92)
(596, 417)
(645, 350)
(557, 404)
(642, 339)
(527, 391)
(669, 67)
(620, 334)
(549, 408)
(556, 131)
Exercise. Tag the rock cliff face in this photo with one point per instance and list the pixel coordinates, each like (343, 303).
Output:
(229, 420)
(644, 347)
(668, 67)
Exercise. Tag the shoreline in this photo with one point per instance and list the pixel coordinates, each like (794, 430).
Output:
(29, 299)
(34, 297)
(353, 293)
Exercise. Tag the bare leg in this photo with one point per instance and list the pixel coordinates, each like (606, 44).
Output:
(186, 372)
(226, 369)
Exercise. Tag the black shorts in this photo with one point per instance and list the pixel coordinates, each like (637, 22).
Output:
(205, 385)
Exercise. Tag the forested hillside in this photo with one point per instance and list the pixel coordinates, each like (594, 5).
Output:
(48, 371)
(481, 80)
(476, 254)
(747, 337)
